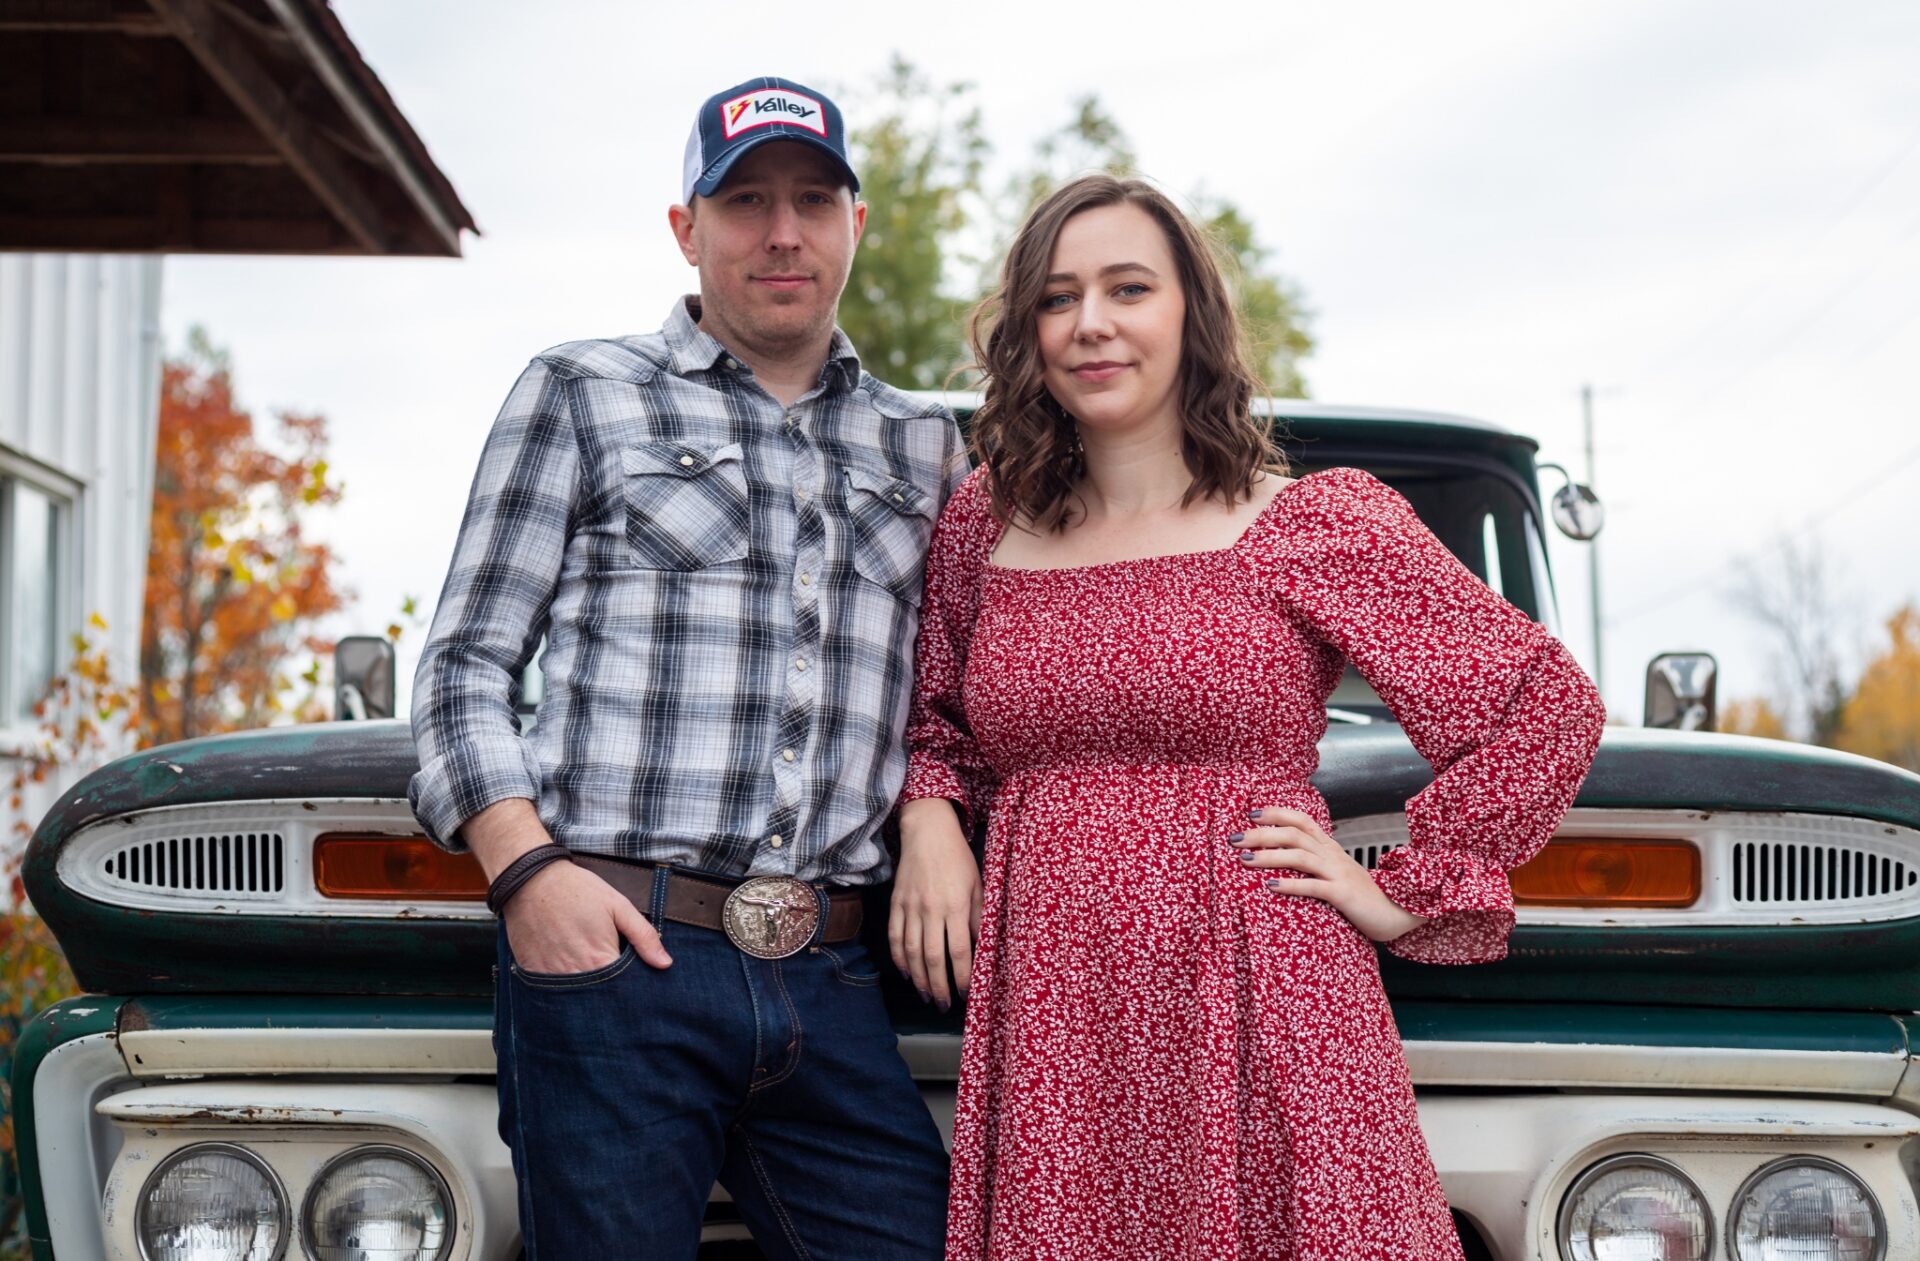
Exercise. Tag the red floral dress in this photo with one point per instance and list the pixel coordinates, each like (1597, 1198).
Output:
(1163, 1058)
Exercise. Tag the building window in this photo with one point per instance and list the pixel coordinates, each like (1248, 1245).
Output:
(36, 554)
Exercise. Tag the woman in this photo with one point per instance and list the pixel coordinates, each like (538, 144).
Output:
(1177, 1044)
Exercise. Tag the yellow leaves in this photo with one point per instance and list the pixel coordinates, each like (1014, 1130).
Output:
(393, 631)
(1882, 718)
(236, 561)
(283, 608)
(96, 621)
(311, 675)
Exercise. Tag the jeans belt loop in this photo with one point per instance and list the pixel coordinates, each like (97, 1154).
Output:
(657, 904)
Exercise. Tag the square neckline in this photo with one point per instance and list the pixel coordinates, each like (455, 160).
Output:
(995, 566)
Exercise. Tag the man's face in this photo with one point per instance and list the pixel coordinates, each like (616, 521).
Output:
(773, 245)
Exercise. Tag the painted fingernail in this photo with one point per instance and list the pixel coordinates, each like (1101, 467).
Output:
(1237, 838)
(1254, 813)
(1273, 884)
(944, 1006)
(1246, 856)
(925, 997)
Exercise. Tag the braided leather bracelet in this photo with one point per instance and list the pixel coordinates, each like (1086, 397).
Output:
(521, 870)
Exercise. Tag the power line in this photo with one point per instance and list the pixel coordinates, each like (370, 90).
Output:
(1702, 581)
(1892, 330)
(1854, 201)
(1745, 371)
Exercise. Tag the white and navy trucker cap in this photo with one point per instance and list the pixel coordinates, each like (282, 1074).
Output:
(742, 118)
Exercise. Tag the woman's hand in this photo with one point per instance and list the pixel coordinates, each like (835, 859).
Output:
(1291, 841)
(935, 916)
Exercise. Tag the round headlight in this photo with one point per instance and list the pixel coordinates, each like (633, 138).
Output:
(378, 1204)
(1635, 1208)
(212, 1202)
(1808, 1209)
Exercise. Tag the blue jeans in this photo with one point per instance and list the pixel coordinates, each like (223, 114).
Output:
(626, 1093)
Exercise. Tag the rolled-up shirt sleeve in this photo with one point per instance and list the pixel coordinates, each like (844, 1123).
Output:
(493, 612)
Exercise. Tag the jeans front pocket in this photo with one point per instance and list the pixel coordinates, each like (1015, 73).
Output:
(577, 980)
(686, 504)
(892, 524)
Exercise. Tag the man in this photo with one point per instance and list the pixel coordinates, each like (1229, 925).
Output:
(719, 531)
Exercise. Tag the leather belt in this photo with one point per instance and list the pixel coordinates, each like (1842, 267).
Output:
(769, 917)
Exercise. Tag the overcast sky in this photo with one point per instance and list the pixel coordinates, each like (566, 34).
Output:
(1710, 209)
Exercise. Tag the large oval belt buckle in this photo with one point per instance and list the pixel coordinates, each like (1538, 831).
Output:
(771, 917)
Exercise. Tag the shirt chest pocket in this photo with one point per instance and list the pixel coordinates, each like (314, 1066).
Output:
(892, 523)
(686, 504)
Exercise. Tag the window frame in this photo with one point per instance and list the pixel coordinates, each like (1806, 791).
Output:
(66, 494)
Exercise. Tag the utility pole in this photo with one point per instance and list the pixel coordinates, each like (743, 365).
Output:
(1593, 546)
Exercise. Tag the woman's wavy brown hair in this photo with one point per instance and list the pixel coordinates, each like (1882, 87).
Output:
(1031, 443)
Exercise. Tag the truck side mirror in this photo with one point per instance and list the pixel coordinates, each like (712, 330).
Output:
(1575, 508)
(1680, 691)
(363, 670)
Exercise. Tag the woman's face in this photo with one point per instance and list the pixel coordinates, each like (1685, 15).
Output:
(1111, 319)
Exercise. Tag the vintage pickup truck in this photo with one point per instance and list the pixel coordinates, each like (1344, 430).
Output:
(1699, 1047)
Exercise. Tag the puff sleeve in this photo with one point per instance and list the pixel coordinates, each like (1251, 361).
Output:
(942, 758)
(1494, 702)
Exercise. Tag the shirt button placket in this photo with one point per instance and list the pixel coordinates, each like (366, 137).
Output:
(802, 689)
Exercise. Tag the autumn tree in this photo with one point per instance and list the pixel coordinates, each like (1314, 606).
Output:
(1752, 716)
(1881, 718)
(234, 585)
(1790, 596)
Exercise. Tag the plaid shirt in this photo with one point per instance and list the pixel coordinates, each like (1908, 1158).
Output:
(728, 590)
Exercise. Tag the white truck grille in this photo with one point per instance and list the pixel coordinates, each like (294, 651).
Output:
(1767, 873)
(230, 864)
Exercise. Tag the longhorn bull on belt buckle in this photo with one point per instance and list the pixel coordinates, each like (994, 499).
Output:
(771, 917)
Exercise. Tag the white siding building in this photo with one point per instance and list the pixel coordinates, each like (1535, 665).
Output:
(79, 402)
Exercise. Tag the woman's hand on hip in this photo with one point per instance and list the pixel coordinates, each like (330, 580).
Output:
(935, 916)
(1291, 841)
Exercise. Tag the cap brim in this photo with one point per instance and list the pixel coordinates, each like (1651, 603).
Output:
(716, 174)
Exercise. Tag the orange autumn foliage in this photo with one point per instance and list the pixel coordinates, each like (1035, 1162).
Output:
(1753, 716)
(234, 586)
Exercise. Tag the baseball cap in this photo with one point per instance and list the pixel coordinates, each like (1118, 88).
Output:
(742, 118)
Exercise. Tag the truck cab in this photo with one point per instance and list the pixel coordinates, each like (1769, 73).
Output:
(1698, 1047)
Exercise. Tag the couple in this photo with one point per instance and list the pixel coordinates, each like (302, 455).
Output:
(1113, 650)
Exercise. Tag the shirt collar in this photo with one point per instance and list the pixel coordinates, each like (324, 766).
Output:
(696, 350)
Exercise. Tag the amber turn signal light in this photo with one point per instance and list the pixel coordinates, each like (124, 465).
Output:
(394, 868)
(1606, 872)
